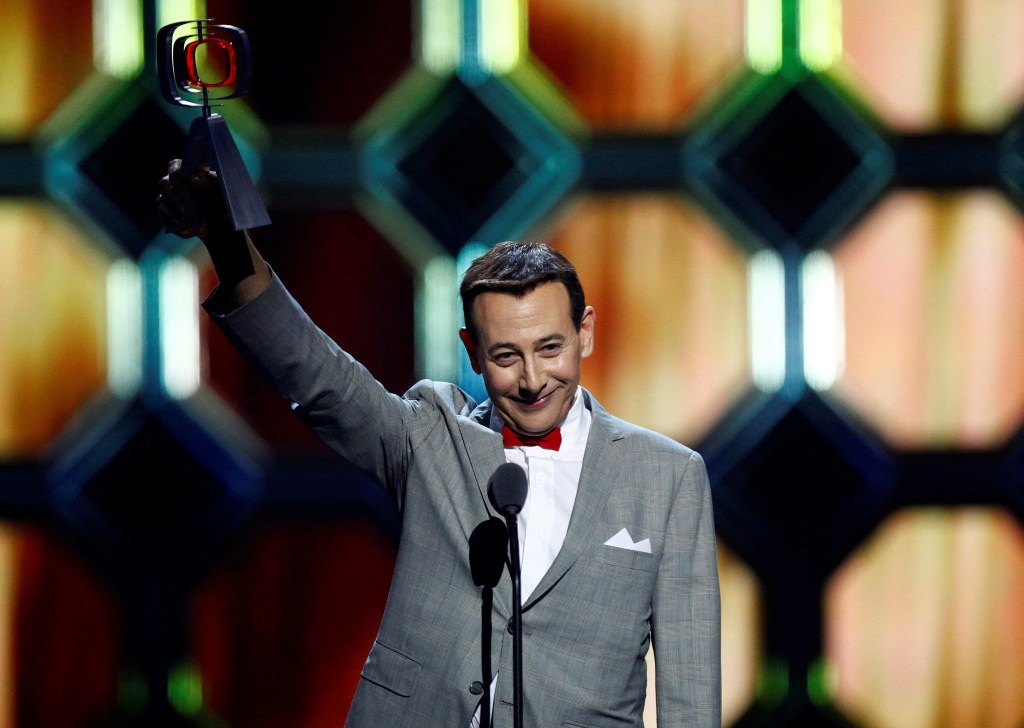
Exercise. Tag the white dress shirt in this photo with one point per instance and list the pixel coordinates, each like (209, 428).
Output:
(554, 479)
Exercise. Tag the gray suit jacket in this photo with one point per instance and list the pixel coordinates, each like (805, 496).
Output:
(588, 624)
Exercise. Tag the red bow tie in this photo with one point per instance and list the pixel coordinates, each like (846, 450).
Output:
(550, 441)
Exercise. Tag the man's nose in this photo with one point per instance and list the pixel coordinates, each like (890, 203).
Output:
(531, 378)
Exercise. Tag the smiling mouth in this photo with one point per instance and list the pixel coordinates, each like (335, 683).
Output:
(533, 403)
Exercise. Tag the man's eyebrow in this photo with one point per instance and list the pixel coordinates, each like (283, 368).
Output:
(546, 339)
(549, 339)
(501, 345)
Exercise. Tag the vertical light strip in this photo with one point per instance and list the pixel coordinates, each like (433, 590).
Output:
(502, 34)
(440, 34)
(185, 690)
(466, 256)
(179, 327)
(822, 682)
(438, 321)
(469, 380)
(764, 35)
(124, 328)
(824, 333)
(117, 37)
(767, 316)
(176, 11)
(821, 33)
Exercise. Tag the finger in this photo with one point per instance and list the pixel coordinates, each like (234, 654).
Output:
(174, 169)
(164, 188)
(203, 179)
(169, 206)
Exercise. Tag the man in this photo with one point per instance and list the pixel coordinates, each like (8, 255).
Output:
(617, 535)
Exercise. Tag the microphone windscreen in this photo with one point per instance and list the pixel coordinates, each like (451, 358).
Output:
(508, 489)
(488, 545)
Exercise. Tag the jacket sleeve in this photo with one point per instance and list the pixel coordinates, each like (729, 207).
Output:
(333, 393)
(686, 621)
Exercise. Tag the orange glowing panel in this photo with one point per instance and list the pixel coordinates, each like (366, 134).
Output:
(741, 634)
(934, 319)
(670, 296)
(9, 547)
(924, 624)
(46, 52)
(925, 64)
(637, 65)
(52, 332)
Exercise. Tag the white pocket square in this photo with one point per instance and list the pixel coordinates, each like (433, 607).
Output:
(622, 540)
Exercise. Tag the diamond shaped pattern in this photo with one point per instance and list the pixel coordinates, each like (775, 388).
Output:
(804, 488)
(476, 163)
(153, 490)
(153, 508)
(788, 162)
(138, 149)
(463, 170)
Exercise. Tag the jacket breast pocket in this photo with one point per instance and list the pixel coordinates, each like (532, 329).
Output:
(391, 669)
(625, 557)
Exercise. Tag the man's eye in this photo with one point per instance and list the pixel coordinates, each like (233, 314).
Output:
(551, 348)
(503, 358)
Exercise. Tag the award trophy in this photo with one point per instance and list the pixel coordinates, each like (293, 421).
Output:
(209, 140)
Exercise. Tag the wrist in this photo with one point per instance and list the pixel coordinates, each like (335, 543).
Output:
(217, 229)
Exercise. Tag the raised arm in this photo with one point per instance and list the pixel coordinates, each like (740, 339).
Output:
(191, 205)
(336, 396)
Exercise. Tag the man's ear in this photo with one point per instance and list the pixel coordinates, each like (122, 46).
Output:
(471, 349)
(587, 332)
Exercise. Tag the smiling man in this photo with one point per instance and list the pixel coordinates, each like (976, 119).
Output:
(617, 536)
(527, 330)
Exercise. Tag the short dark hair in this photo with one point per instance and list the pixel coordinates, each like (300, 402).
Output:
(517, 268)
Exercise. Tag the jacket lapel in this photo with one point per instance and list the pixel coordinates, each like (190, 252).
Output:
(488, 454)
(600, 472)
(486, 448)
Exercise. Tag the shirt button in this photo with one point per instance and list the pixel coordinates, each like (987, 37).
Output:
(511, 627)
(476, 688)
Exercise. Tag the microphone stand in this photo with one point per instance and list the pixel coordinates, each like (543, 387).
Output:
(517, 621)
(508, 490)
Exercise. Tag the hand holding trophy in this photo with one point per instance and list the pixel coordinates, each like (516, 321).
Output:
(210, 143)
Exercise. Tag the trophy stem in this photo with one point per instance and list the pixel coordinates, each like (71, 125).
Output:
(207, 112)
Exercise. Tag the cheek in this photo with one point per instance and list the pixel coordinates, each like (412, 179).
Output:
(498, 380)
(566, 369)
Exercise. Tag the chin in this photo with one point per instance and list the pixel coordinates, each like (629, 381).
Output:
(539, 428)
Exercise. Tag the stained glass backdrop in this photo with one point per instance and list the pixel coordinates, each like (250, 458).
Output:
(799, 222)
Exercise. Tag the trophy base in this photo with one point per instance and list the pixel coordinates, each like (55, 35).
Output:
(210, 141)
